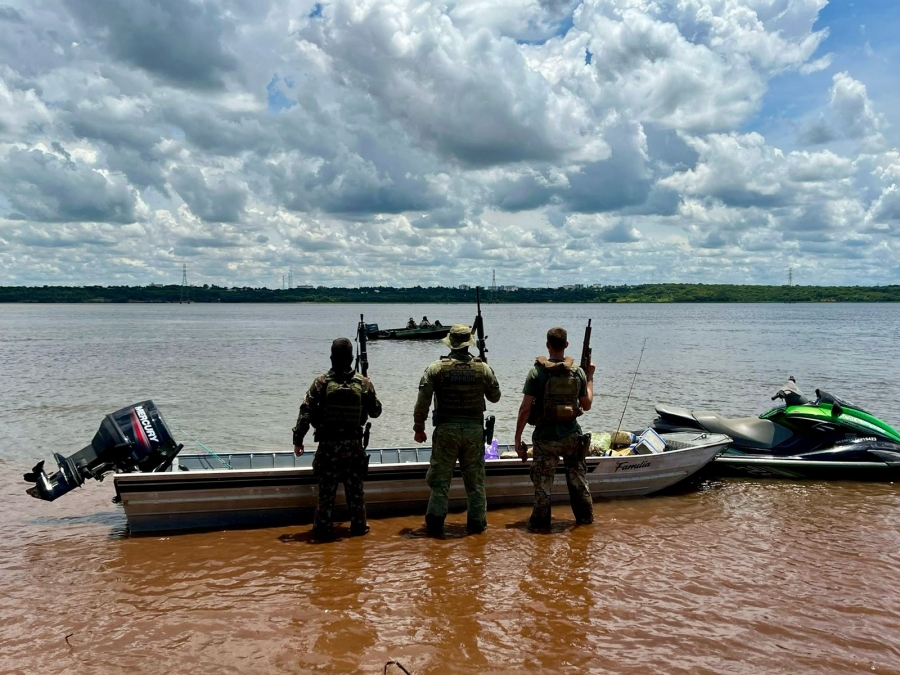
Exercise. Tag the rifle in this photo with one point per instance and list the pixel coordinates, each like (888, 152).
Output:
(489, 429)
(362, 357)
(362, 366)
(586, 348)
(478, 328)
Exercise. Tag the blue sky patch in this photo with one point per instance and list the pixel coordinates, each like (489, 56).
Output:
(275, 97)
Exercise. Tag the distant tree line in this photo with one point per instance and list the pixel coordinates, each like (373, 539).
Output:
(441, 294)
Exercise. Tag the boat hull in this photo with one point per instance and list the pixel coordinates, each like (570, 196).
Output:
(278, 492)
(431, 333)
(760, 466)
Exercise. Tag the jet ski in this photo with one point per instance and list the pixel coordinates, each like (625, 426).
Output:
(827, 438)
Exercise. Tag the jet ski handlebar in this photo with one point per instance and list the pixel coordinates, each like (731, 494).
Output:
(790, 393)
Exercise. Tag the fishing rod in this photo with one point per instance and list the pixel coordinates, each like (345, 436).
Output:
(615, 435)
(209, 450)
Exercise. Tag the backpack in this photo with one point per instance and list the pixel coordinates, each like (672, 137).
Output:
(559, 400)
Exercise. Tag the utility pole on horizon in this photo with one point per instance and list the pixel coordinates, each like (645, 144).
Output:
(184, 296)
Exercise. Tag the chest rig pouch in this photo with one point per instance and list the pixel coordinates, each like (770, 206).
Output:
(459, 390)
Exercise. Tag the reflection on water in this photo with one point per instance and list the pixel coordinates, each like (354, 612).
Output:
(729, 576)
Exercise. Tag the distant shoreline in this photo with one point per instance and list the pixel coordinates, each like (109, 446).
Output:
(645, 293)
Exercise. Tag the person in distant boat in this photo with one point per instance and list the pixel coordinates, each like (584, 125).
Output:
(411, 324)
(337, 406)
(424, 323)
(556, 392)
(459, 384)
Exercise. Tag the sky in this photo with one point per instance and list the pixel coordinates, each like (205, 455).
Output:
(395, 142)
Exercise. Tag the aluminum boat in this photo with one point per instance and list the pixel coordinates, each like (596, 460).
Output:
(204, 491)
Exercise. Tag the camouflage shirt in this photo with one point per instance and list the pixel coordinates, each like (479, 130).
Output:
(430, 376)
(313, 402)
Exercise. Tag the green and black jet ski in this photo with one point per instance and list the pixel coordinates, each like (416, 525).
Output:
(828, 438)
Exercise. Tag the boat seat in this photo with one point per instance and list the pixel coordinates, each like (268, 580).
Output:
(751, 432)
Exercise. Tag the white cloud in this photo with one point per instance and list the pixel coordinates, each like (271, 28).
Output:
(743, 170)
(391, 141)
(852, 109)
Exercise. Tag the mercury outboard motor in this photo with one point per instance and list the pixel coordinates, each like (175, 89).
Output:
(132, 439)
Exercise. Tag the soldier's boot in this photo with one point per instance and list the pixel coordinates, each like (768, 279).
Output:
(476, 526)
(540, 519)
(434, 525)
(322, 532)
(358, 530)
(584, 514)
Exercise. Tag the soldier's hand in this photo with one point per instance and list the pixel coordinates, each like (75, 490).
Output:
(522, 450)
(298, 450)
(590, 371)
(421, 437)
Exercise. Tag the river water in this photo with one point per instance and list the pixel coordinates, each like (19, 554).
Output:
(730, 576)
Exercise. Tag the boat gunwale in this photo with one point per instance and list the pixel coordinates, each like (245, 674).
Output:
(501, 463)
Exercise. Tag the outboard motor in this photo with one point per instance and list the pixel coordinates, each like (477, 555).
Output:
(132, 439)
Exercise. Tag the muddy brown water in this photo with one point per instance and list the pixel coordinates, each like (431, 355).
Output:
(723, 576)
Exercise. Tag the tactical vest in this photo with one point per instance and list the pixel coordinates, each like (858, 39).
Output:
(343, 410)
(558, 402)
(459, 390)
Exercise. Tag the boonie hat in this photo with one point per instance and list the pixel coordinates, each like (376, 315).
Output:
(460, 336)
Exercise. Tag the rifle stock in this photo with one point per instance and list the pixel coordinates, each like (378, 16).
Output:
(586, 348)
(362, 355)
(478, 328)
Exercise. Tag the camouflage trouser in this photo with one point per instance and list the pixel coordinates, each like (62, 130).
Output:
(465, 442)
(340, 462)
(543, 470)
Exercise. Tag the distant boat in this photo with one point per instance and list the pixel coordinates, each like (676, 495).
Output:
(432, 332)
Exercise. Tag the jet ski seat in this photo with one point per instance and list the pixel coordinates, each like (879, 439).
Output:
(675, 413)
(750, 432)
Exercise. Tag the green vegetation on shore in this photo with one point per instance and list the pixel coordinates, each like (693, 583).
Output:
(439, 294)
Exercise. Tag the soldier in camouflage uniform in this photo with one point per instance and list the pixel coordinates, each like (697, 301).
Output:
(459, 384)
(337, 406)
(556, 392)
